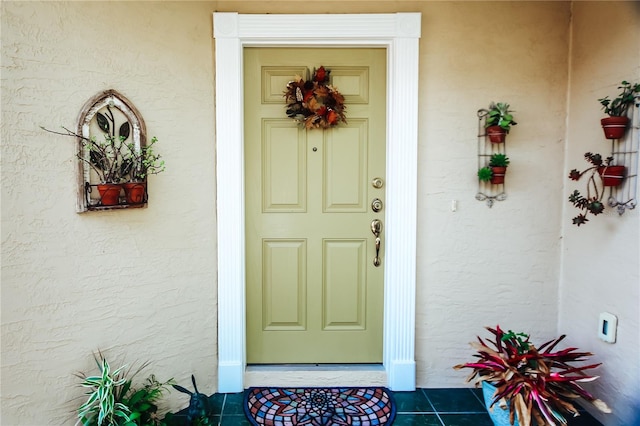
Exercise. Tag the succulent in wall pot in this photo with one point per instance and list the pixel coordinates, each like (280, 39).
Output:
(600, 174)
(496, 169)
(139, 164)
(499, 121)
(498, 164)
(615, 125)
(529, 383)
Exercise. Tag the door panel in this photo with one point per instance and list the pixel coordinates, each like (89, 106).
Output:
(284, 285)
(313, 293)
(345, 168)
(284, 167)
(344, 284)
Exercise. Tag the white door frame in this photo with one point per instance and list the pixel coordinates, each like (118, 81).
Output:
(399, 33)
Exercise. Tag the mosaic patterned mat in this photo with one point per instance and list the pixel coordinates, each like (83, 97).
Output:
(319, 406)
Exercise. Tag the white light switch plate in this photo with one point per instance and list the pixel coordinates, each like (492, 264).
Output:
(607, 327)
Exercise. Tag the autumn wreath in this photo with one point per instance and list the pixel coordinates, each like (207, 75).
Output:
(315, 103)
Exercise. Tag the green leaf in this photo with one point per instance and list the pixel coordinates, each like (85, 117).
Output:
(136, 397)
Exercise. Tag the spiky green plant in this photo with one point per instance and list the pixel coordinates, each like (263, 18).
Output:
(498, 160)
(101, 408)
(540, 384)
(113, 401)
(485, 174)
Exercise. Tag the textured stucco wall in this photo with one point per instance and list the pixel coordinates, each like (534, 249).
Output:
(484, 266)
(602, 258)
(159, 302)
(137, 284)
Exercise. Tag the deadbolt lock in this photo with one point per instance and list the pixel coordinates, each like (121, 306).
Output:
(376, 205)
(377, 183)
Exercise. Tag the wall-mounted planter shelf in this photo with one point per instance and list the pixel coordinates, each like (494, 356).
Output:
(108, 115)
(625, 153)
(488, 191)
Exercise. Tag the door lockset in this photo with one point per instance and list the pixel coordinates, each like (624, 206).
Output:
(376, 205)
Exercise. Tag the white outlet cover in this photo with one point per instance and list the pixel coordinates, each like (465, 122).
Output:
(607, 327)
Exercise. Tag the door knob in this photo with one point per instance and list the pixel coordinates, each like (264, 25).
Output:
(376, 229)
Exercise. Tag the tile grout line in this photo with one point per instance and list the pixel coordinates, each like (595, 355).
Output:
(476, 396)
(224, 403)
(424, 392)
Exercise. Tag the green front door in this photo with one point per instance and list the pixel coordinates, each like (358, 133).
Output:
(313, 292)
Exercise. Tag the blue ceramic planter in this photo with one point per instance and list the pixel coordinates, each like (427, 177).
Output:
(499, 416)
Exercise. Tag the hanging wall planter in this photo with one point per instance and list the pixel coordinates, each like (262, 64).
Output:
(499, 121)
(112, 154)
(109, 193)
(497, 175)
(495, 171)
(615, 126)
(496, 134)
(135, 192)
(599, 174)
(612, 175)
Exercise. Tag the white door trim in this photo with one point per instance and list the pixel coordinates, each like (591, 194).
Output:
(399, 33)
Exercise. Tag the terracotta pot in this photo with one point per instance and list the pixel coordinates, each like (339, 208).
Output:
(496, 134)
(498, 175)
(614, 127)
(109, 193)
(612, 175)
(135, 192)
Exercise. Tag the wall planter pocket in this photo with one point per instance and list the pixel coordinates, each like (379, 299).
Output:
(496, 134)
(135, 192)
(614, 127)
(109, 193)
(612, 175)
(114, 158)
(617, 174)
(494, 124)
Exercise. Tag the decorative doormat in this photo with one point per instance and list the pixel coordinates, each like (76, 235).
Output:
(319, 406)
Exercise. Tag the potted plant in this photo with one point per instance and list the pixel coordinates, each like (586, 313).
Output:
(140, 164)
(114, 401)
(496, 169)
(498, 164)
(535, 383)
(499, 121)
(105, 158)
(616, 124)
(607, 175)
(116, 163)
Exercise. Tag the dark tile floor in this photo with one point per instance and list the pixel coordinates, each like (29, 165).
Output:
(424, 407)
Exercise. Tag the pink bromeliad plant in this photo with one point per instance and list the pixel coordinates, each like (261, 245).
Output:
(537, 383)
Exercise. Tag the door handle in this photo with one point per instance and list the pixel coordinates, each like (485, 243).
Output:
(376, 229)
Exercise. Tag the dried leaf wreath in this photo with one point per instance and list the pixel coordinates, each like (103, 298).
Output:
(315, 103)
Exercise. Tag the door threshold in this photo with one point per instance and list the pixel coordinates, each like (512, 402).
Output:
(315, 375)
